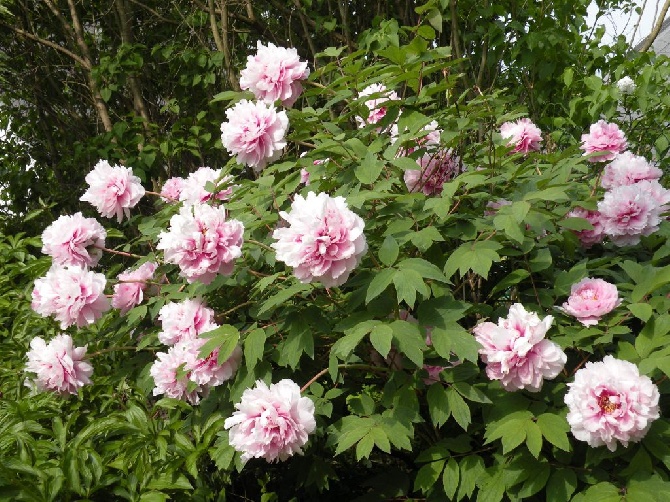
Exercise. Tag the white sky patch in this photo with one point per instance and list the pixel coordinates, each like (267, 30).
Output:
(635, 27)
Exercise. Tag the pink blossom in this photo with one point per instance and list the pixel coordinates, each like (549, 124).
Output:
(376, 105)
(433, 373)
(628, 212)
(522, 135)
(59, 366)
(274, 73)
(628, 168)
(113, 190)
(74, 240)
(72, 295)
(170, 374)
(184, 320)
(207, 372)
(428, 138)
(271, 422)
(588, 237)
(610, 402)
(130, 290)
(436, 169)
(324, 240)
(172, 189)
(255, 133)
(202, 242)
(656, 191)
(193, 189)
(304, 176)
(606, 138)
(590, 299)
(516, 352)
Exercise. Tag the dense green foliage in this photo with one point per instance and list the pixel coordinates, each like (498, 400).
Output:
(382, 433)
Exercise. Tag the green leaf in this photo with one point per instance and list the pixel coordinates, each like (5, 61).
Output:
(511, 279)
(536, 481)
(428, 475)
(167, 481)
(381, 337)
(369, 169)
(534, 439)
(254, 347)
(352, 337)
(364, 447)
(407, 283)
(388, 252)
(642, 311)
(562, 484)
(450, 478)
(554, 429)
(424, 268)
(379, 283)
(409, 341)
(438, 405)
(283, 296)
(299, 340)
(476, 256)
(472, 469)
(457, 340)
(459, 409)
(225, 338)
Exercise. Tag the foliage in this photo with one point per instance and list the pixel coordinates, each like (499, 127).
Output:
(383, 432)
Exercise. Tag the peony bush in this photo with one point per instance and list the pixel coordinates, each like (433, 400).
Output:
(390, 291)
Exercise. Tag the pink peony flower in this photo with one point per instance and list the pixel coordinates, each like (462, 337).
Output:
(193, 189)
(130, 290)
(655, 190)
(274, 73)
(606, 138)
(255, 133)
(590, 299)
(182, 374)
(74, 240)
(516, 352)
(72, 295)
(59, 366)
(172, 189)
(610, 402)
(628, 212)
(588, 237)
(324, 240)
(628, 168)
(184, 320)
(376, 105)
(271, 422)
(113, 190)
(202, 242)
(522, 135)
(436, 169)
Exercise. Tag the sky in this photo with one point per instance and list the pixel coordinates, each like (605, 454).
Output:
(633, 26)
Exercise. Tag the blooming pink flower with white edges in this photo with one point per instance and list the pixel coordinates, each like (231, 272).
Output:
(628, 168)
(522, 135)
(130, 290)
(207, 372)
(628, 212)
(255, 132)
(72, 295)
(588, 237)
(274, 73)
(516, 352)
(376, 105)
(657, 192)
(436, 169)
(59, 366)
(324, 240)
(193, 189)
(202, 242)
(184, 320)
(113, 190)
(165, 370)
(74, 240)
(271, 422)
(604, 137)
(172, 189)
(590, 299)
(610, 402)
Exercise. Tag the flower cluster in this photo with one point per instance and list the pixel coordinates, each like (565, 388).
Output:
(324, 240)
(271, 422)
(516, 352)
(181, 373)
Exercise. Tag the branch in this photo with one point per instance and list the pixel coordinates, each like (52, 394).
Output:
(657, 28)
(51, 44)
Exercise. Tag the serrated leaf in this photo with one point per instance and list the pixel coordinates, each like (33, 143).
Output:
(438, 405)
(409, 340)
(471, 469)
(424, 268)
(381, 439)
(554, 429)
(407, 283)
(562, 484)
(254, 347)
(352, 337)
(364, 447)
(642, 311)
(534, 439)
(224, 338)
(450, 478)
(369, 168)
(459, 409)
(428, 475)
